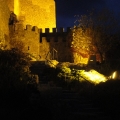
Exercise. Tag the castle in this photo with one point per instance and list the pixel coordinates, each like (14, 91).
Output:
(40, 13)
(36, 28)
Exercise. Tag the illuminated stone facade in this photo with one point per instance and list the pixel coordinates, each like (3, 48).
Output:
(4, 19)
(44, 45)
(57, 43)
(40, 13)
(36, 28)
(42, 41)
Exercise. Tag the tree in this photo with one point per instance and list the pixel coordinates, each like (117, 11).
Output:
(95, 33)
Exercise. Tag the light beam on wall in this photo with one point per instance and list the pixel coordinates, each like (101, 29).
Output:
(16, 7)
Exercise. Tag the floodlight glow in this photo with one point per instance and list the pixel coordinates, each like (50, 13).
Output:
(114, 75)
(95, 77)
(16, 7)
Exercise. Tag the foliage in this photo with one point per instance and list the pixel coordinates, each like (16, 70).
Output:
(52, 63)
(96, 32)
(81, 41)
(14, 69)
(81, 75)
(70, 74)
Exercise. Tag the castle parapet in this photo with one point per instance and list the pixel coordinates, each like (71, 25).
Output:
(54, 30)
(20, 27)
(32, 28)
(62, 30)
(28, 27)
(47, 30)
(40, 30)
(35, 28)
(54, 34)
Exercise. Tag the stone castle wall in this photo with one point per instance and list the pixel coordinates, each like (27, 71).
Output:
(29, 37)
(40, 13)
(4, 21)
(44, 45)
(57, 43)
(40, 44)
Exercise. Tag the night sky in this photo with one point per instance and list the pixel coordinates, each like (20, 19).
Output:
(67, 9)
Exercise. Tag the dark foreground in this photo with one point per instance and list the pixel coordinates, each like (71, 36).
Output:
(59, 104)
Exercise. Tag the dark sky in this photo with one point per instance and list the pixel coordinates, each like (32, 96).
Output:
(67, 9)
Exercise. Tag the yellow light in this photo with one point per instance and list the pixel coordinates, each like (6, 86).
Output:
(95, 77)
(114, 75)
(16, 7)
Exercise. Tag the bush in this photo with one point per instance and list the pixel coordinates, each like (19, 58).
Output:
(14, 69)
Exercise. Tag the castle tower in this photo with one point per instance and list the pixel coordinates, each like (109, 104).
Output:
(40, 13)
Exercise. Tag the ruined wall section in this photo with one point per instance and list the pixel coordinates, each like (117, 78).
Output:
(40, 13)
(4, 20)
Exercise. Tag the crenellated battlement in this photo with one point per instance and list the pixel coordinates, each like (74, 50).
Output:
(59, 31)
(55, 34)
(31, 28)
(38, 42)
(20, 27)
(41, 30)
(36, 29)
(55, 30)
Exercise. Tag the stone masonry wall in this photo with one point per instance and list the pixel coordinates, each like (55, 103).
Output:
(10, 4)
(4, 20)
(58, 50)
(29, 37)
(55, 45)
(43, 45)
(50, 44)
(40, 13)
